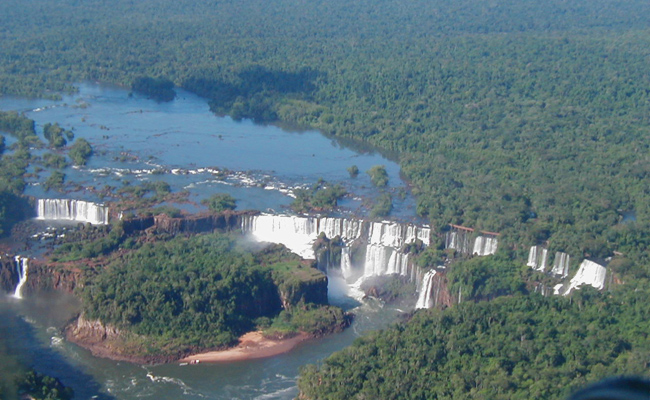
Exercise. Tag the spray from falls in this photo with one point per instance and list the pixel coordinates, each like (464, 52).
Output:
(22, 267)
(71, 210)
(367, 248)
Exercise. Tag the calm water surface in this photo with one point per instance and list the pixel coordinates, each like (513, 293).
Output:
(132, 138)
(136, 139)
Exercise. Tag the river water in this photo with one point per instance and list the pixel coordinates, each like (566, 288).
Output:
(182, 143)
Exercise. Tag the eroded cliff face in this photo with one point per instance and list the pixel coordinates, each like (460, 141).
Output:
(310, 288)
(105, 341)
(440, 291)
(8, 274)
(53, 276)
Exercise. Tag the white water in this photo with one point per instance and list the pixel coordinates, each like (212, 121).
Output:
(424, 298)
(589, 273)
(72, 210)
(458, 240)
(537, 258)
(561, 264)
(346, 263)
(22, 266)
(381, 242)
(485, 245)
(384, 260)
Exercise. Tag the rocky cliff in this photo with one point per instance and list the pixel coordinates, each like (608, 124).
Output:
(43, 275)
(8, 274)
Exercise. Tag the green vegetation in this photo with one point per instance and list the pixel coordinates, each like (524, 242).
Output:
(526, 118)
(55, 135)
(80, 151)
(53, 160)
(322, 196)
(171, 212)
(382, 207)
(220, 202)
(203, 292)
(159, 89)
(484, 278)
(90, 242)
(18, 126)
(54, 181)
(378, 175)
(505, 118)
(353, 171)
(518, 347)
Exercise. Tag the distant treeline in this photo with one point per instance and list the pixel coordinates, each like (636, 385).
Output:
(526, 118)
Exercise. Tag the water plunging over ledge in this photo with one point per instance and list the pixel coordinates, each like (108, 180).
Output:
(137, 140)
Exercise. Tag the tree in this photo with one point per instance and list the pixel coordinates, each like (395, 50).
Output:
(80, 151)
(220, 202)
(54, 135)
(378, 175)
(382, 207)
(55, 180)
(353, 171)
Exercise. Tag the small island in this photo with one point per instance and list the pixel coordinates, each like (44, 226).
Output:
(155, 297)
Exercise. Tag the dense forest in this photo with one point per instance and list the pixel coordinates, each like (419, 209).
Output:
(506, 117)
(175, 296)
(526, 118)
(516, 347)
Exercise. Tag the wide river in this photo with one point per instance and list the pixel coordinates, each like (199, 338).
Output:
(183, 143)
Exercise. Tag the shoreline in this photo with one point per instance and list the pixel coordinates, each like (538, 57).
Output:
(252, 345)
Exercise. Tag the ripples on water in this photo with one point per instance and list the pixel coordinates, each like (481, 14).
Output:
(182, 143)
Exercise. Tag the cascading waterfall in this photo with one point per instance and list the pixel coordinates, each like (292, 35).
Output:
(589, 273)
(485, 245)
(459, 241)
(381, 242)
(72, 210)
(425, 296)
(561, 264)
(297, 233)
(537, 258)
(383, 260)
(346, 263)
(22, 267)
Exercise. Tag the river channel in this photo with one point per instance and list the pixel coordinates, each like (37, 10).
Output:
(184, 144)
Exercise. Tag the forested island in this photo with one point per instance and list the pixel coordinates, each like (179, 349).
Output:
(530, 120)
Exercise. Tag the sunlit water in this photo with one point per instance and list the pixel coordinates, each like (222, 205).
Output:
(132, 137)
(183, 143)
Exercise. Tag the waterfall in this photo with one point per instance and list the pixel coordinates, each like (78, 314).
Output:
(424, 298)
(537, 258)
(72, 210)
(297, 233)
(485, 245)
(458, 240)
(21, 267)
(381, 242)
(561, 264)
(346, 263)
(383, 260)
(589, 273)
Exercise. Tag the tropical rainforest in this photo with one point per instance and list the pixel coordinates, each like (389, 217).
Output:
(526, 118)
(187, 294)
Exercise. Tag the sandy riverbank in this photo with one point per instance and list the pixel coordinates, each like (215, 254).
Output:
(251, 346)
